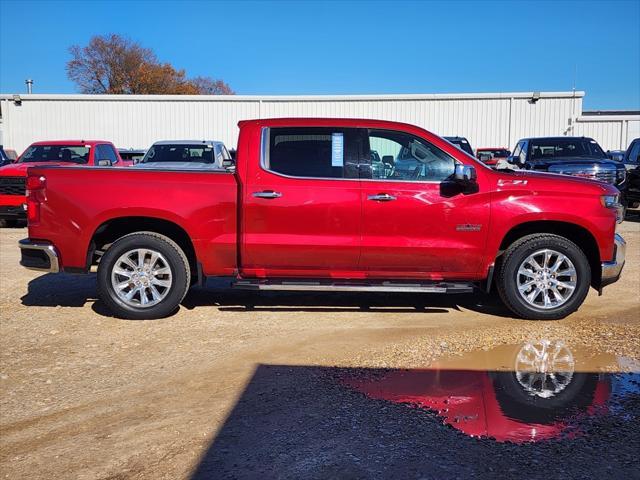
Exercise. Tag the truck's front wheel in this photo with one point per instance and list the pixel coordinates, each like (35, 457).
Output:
(143, 276)
(543, 277)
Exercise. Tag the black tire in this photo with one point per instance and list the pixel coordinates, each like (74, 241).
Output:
(518, 252)
(177, 260)
(518, 404)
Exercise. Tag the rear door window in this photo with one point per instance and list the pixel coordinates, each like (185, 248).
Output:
(314, 152)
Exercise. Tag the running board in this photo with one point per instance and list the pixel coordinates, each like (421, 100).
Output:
(342, 286)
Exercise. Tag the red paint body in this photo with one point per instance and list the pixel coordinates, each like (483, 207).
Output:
(321, 228)
(19, 169)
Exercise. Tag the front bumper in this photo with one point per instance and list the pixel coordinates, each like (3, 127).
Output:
(611, 270)
(11, 212)
(39, 256)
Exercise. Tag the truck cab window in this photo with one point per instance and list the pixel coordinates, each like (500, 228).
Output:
(106, 152)
(313, 152)
(400, 156)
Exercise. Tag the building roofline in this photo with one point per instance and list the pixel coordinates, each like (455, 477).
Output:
(605, 113)
(285, 98)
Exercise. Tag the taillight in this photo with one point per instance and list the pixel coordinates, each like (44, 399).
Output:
(35, 196)
(35, 182)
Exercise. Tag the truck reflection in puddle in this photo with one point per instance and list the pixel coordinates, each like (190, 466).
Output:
(533, 392)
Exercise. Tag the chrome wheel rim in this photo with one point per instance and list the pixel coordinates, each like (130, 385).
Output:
(546, 279)
(141, 278)
(544, 369)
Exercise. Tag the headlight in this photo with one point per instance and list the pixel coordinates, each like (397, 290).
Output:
(609, 201)
(621, 175)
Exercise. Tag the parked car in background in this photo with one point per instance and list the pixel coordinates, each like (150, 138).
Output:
(131, 156)
(186, 155)
(462, 143)
(576, 156)
(59, 153)
(302, 210)
(490, 156)
(4, 159)
(616, 155)
(10, 153)
(631, 161)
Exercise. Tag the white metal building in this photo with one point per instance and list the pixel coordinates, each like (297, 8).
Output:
(136, 121)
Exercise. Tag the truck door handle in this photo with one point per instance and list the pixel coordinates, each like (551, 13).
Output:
(267, 194)
(381, 197)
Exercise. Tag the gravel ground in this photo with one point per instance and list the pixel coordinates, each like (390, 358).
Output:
(239, 382)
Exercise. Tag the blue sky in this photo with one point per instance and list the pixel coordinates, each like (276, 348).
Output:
(341, 47)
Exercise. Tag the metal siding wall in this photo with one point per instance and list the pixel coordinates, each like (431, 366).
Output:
(607, 134)
(135, 123)
(633, 130)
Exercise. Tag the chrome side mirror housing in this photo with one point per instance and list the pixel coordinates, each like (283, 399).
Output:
(105, 163)
(465, 174)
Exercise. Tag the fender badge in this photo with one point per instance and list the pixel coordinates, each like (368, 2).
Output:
(503, 182)
(468, 227)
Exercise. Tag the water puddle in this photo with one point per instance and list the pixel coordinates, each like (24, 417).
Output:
(539, 390)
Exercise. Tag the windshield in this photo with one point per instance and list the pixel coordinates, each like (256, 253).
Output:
(542, 149)
(180, 153)
(461, 143)
(495, 152)
(127, 155)
(56, 153)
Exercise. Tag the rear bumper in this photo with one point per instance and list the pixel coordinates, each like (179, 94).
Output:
(611, 270)
(39, 256)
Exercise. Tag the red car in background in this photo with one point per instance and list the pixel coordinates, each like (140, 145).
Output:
(491, 155)
(60, 152)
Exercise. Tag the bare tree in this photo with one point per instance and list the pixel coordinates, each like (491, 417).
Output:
(113, 64)
(209, 86)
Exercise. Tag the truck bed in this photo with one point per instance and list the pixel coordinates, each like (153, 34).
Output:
(80, 200)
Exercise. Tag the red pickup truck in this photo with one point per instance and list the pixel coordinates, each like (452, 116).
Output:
(59, 152)
(309, 207)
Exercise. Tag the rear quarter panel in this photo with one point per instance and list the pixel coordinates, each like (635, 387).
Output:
(79, 199)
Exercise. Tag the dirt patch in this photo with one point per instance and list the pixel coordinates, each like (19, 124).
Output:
(85, 395)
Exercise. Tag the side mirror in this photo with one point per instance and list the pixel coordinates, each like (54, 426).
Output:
(465, 174)
(105, 163)
(484, 157)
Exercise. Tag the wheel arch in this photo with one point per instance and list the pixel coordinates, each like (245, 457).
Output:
(114, 228)
(578, 234)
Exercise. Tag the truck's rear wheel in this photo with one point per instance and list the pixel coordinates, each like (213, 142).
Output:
(143, 276)
(543, 277)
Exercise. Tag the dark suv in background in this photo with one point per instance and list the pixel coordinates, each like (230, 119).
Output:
(576, 156)
(462, 143)
(631, 162)
(4, 158)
